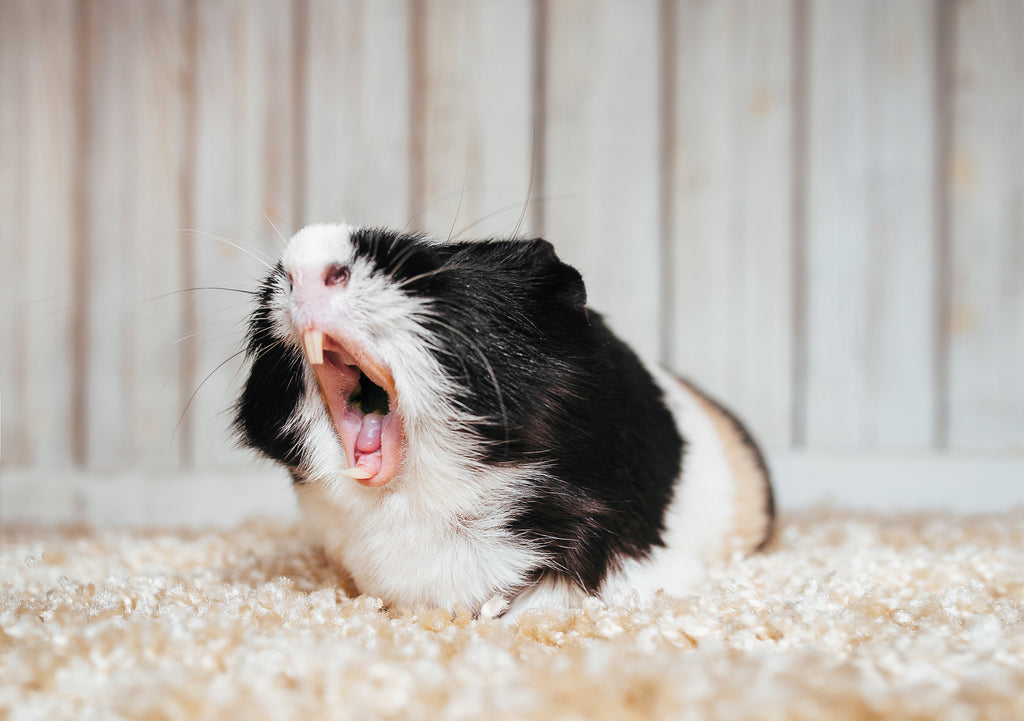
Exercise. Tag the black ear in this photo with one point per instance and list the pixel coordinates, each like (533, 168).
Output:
(560, 279)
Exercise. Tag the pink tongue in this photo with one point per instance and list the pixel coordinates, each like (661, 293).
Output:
(369, 433)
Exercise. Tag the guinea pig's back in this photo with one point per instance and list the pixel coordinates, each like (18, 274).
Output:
(724, 478)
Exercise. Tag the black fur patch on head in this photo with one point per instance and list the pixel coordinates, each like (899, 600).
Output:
(557, 387)
(274, 387)
(406, 258)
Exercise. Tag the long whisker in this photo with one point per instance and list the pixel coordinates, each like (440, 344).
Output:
(427, 274)
(278, 232)
(458, 208)
(529, 187)
(232, 243)
(434, 204)
(409, 252)
(201, 287)
(235, 324)
(487, 216)
(490, 371)
(209, 375)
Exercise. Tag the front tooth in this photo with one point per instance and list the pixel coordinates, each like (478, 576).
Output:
(357, 474)
(313, 340)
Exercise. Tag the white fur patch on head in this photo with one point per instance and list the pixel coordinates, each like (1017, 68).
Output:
(317, 246)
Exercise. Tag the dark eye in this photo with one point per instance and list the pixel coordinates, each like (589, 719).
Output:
(337, 274)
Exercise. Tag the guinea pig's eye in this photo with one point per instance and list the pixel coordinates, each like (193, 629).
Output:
(337, 274)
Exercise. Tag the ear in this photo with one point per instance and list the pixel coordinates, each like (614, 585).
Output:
(560, 279)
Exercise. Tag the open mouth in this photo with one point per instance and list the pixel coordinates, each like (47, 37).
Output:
(359, 393)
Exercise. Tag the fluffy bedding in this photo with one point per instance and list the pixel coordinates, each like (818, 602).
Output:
(846, 616)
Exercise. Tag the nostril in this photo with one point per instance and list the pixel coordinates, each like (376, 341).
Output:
(336, 274)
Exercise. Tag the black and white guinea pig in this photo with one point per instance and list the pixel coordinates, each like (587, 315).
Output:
(460, 426)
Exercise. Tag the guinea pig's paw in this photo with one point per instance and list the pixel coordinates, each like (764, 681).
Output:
(494, 608)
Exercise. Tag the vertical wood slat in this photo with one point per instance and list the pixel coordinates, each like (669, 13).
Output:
(871, 225)
(869, 211)
(38, 147)
(356, 115)
(242, 194)
(602, 159)
(986, 189)
(15, 60)
(732, 224)
(135, 155)
(477, 124)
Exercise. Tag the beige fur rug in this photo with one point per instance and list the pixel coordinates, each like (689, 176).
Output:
(845, 617)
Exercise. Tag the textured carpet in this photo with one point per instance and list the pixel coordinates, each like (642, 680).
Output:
(845, 617)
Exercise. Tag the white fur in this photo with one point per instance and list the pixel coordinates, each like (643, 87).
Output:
(699, 521)
(434, 535)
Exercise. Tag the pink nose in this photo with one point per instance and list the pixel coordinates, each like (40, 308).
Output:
(307, 281)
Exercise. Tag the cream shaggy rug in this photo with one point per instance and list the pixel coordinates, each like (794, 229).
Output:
(845, 617)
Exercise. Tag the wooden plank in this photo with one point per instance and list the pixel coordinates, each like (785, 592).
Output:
(602, 166)
(243, 193)
(894, 482)
(14, 43)
(135, 497)
(871, 230)
(39, 149)
(986, 190)
(136, 150)
(477, 126)
(732, 208)
(357, 115)
(880, 482)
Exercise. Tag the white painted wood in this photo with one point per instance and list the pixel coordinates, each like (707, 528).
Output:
(242, 196)
(136, 151)
(897, 482)
(986, 324)
(357, 115)
(871, 230)
(325, 131)
(602, 163)
(38, 149)
(477, 125)
(732, 243)
(14, 42)
(882, 482)
(147, 497)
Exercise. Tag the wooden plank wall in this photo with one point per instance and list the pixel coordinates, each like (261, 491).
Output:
(814, 208)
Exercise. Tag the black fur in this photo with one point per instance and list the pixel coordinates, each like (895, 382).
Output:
(559, 387)
(553, 384)
(274, 387)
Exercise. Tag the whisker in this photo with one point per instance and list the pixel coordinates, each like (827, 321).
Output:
(427, 274)
(409, 252)
(529, 187)
(278, 232)
(422, 211)
(490, 371)
(266, 263)
(235, 325)
(458, 208)
(188, 404)
(201, 287)
(484, 218)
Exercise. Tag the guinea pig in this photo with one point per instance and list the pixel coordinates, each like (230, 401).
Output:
(460, 426)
